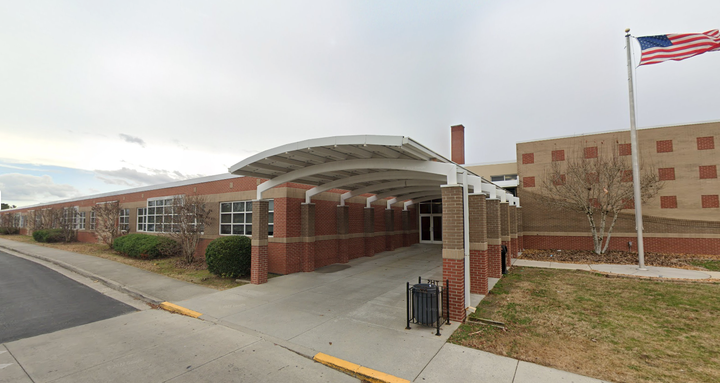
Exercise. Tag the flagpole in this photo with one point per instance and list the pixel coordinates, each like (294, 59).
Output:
(635, 161)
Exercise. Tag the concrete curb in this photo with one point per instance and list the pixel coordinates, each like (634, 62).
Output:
(105, 281)
(173, 308)
(355, 370)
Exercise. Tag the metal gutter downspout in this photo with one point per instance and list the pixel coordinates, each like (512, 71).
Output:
(466, 237)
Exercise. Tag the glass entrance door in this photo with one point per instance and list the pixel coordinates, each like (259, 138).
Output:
(431, 221)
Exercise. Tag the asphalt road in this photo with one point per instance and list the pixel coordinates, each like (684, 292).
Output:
(35, 300)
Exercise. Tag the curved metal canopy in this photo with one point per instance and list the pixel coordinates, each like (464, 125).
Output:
(384, 165)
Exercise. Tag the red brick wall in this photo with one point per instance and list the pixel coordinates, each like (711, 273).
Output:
(454, 272)
(664, 146)
(710, 201)
(705, 143)
(458, 144)
(708, 171)
(528, 158)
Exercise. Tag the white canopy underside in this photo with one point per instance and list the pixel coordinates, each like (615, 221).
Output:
(387, 166)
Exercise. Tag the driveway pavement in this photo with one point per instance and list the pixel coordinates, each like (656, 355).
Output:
(355, 312)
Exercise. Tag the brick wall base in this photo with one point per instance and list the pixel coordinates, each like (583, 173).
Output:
(660, 245)
(454, 271)
(494, 252)
(478, 272)
(259, 265)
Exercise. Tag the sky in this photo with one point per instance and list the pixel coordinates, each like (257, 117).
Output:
(104, 96)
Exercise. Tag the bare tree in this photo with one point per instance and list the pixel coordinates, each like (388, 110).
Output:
(67, 223)
(190, 216)
(107, 217)
(49, 218)
(598, 185)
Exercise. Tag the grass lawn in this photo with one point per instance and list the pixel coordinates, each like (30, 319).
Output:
(617, 329)
(170, 267)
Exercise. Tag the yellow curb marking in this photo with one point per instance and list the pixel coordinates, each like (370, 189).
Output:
(357, 370)
(167, 306)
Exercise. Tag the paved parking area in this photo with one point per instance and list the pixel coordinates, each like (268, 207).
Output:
(356, 313)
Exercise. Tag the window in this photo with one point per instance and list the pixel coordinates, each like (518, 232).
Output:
(236, 218)
(73, 217)
(124, 220)
(157, 217)
(431, 207)
(141, 219)
(503, 177)
(79, 221)
(92, 220)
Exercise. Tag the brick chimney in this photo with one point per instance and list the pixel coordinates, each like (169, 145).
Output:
(457, 150)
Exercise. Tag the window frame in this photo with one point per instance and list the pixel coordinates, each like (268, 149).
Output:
(246, 223)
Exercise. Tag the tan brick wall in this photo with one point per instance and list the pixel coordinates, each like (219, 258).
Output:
(692, 147)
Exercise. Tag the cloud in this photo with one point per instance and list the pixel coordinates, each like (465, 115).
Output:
(28, 188)
(133, 177)
(132, 140)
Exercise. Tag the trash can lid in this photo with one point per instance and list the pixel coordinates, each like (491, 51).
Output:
(425, 286)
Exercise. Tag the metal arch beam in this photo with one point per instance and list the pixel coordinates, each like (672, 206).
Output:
(373, 163)
(490, 189)
(405, 191)
(416, 195)
(422, 199)
(424, 181)
(369, 177)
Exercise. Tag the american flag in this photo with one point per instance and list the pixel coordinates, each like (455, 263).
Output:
(656, 49)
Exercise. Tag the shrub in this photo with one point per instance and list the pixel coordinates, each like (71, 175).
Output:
(229, 256)
(9, 230)
(146, 246)
(48, 235)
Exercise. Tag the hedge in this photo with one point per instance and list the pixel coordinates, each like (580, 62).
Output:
(229, 256)
(48, 235)
(146, 246)
(9, 230)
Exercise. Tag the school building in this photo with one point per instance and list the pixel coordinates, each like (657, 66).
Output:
(323, 201)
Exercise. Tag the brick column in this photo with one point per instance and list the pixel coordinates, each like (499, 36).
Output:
(389, 229)
(307, 236)
(513, 233)
(478, 244)
(259, 252)
(518, 212)
(343, 231)
(406, 228)
(453, 252)
(505, 230)
(493, 237)
(369, 230)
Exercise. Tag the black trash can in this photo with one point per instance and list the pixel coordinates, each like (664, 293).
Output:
(425, 303)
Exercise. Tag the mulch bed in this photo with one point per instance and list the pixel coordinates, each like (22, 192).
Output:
(677, 260)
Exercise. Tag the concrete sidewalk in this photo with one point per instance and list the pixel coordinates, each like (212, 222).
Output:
(139, 283)
(651, 272)
(354, 311)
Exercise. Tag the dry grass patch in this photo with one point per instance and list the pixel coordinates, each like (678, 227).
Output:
(617, 329)
(196, 273)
